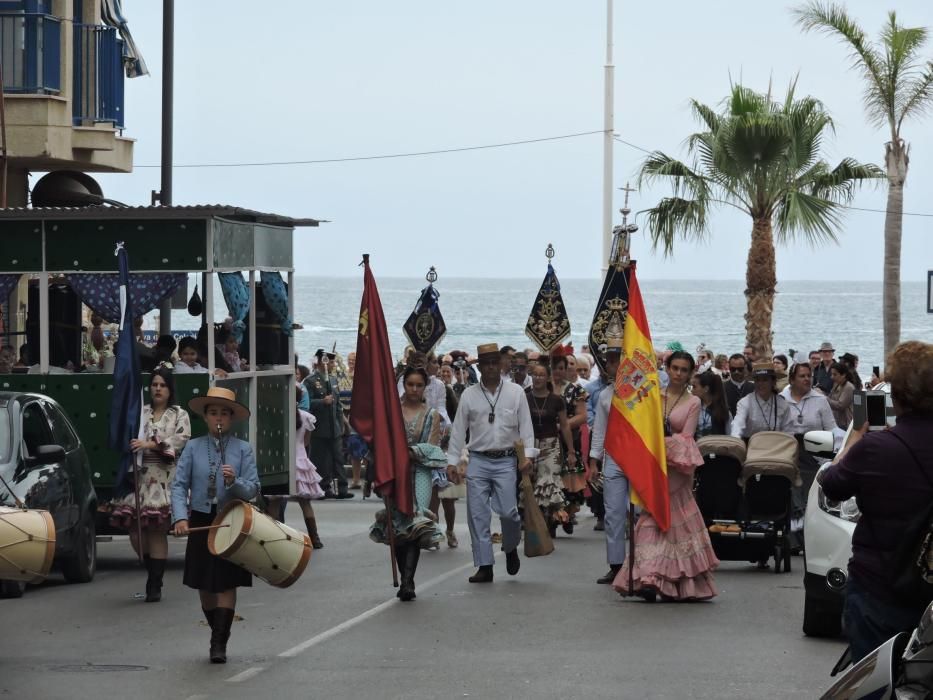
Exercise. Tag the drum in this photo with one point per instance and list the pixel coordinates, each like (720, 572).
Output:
(27, 544)
(265, 547)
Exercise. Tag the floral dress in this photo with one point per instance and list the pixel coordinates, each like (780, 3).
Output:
(574, 479)
(171, 433)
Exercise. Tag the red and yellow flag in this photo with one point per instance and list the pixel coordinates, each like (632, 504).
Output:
(635, 432)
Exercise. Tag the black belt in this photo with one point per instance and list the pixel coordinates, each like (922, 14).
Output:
(497, 454)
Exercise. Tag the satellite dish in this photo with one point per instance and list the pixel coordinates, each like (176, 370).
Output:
(66, 188)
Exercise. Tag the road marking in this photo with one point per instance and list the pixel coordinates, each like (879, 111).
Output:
(372, 612)
(199, 696)
(246, 675)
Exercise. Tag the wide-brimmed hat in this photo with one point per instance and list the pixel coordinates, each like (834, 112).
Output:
(827, 346)
(487, 351)
(766, 369)
(219, 396)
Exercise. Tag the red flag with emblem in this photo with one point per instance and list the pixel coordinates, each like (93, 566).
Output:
(375, 410)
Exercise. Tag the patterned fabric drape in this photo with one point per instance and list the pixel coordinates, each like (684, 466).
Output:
(101, 291)
(8, 284)
(236, 295)
(275, 292)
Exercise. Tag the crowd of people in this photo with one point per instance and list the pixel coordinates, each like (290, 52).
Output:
(463, 415)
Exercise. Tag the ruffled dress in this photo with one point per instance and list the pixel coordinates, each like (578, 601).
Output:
(677, 564)
(428, 468)
(170, 433)
(307, 479)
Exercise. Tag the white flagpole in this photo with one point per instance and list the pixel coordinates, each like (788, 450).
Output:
(608, 127)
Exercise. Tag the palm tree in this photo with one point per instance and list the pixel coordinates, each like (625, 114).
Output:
(898, 85)
(762, 158)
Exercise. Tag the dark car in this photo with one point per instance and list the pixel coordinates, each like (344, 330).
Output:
(44, 464)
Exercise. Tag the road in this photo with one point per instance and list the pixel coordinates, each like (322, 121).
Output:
(339, 632)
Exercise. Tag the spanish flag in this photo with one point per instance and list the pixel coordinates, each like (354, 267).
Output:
(635, 432)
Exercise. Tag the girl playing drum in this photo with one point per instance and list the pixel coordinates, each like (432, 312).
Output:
(215, 469)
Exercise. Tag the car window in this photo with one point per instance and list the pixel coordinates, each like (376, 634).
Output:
(61, 428)
(5, 434)
(35, 428)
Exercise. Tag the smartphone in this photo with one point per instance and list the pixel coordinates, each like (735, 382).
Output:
(876, 370)
(870, 407)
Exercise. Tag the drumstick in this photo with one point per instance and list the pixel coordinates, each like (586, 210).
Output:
(206, 527)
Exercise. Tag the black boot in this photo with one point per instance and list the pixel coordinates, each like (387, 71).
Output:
(220, 634)
(401, 560)
(209, 616)
(411, 555)
(610, 575)
(154, 582)
(483, 575)
(311, 524)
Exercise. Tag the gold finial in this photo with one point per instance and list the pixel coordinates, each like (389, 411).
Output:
(550, 253)
(431, 277)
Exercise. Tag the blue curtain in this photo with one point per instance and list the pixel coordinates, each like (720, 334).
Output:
(101, 292)
(236, 294)
(275, 292)
(8, 284)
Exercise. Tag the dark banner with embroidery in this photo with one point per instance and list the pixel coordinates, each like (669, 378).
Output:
(609, 318)
(548, 324)
(425, 327)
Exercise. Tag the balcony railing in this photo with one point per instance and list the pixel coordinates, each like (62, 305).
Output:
(98, 75)
(30, 52)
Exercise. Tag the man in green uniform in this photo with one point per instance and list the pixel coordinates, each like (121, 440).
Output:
(327, 436)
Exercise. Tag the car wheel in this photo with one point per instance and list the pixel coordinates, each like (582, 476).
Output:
(12, 589)
(821, 619)
(82, 564)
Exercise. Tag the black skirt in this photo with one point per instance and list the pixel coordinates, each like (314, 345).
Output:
(203, 570)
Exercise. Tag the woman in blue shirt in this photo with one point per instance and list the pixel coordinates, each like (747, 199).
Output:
(213, 469)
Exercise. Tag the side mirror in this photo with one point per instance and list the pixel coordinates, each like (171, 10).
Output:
(820, 443)
(47, 454)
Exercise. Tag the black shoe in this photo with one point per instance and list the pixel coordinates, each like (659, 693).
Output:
(330, 494)
(568, 527)
(512, 562)
(600, 525)
(649, 594)
(154, 582)
(343, 495)
(610, 575)
(552, 530)
(483, 575)
(220, 634)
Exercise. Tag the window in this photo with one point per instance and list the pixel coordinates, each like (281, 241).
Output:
(62, 432)
(35, 429)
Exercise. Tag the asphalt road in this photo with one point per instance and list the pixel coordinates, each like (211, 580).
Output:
(339, 632)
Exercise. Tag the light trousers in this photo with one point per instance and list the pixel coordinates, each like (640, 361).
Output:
(616, 499)
(492, 486)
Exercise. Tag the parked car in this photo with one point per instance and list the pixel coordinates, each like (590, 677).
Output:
(44, 464)
(828, 528)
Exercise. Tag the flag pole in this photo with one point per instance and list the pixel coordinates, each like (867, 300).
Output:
(390, 531)
(631, 547)
(139, 520)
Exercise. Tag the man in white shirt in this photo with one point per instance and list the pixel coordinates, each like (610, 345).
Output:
(615, 485)
(763, 409)
(520, 370)
(496, 414)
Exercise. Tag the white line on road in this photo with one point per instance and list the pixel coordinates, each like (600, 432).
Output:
(246, 675)
(362, 617)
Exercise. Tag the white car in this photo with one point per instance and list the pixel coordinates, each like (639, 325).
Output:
(828, 528)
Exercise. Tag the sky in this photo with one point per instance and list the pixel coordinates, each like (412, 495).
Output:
(314, 80)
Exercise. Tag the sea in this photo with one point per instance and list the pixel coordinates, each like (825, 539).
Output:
(691, 312)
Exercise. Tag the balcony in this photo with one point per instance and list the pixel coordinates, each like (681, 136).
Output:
(30, 53)
(98, 76)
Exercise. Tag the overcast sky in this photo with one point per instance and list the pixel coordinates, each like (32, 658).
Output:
(317, 80)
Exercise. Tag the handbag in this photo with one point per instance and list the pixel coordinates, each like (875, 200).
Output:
(538, 542)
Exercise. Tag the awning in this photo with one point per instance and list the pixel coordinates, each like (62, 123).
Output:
(111, 13)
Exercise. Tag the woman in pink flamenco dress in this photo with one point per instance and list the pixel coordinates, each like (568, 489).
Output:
(677, 564)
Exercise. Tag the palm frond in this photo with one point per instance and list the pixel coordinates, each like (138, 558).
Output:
(705, 114)
(816, 218)
(839, 184)
(832, 19)
(916, 98)
(675, 217)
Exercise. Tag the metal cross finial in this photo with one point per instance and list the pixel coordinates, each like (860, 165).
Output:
(550, 252)
(625, 209)
(431, 277)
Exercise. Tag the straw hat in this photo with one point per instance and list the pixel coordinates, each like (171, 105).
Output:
(219, 396)
(766, 369)
(487, 351)
(827, 347)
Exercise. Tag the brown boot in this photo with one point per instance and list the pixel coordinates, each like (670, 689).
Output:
(311, 524)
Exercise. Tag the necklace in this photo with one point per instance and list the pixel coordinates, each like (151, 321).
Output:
(668, 431)
(492, 404)
(539, 408)
(764, 415)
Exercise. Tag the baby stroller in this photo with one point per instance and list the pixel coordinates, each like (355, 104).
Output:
(759, 525)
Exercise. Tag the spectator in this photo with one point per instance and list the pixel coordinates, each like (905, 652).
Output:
(841, 395)
(821, 378)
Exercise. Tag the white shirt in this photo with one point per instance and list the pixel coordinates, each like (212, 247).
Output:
(512, 420)
(754, 415)
(184, 368)
(600, 421)
(812, 412)
(525, 384)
